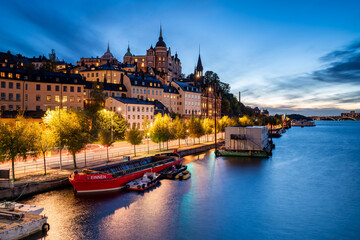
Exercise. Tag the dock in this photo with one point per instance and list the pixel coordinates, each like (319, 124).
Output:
(17, 224)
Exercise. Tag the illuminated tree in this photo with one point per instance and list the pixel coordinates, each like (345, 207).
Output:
(208, 126)
(73, 126)
(134, 136)
(160, 131)
(114, 123)
(196, 129)
(45, 141)
(16, 140)
(106, 140)
(178, 129)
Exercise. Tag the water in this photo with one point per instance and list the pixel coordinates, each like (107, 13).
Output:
(308, 189)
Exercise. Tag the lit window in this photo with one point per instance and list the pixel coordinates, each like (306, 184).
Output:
(48, 98)
(17, 76)
(65, 98)
(10, 75)
(72, 99)
(2, 74)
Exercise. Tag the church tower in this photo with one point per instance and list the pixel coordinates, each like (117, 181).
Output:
(198, 73)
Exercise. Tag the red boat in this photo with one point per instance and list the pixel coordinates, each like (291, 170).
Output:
(116, 176)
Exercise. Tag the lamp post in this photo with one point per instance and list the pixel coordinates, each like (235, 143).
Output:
(60, 160)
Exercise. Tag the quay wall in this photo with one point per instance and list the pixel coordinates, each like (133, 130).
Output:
(18, 190)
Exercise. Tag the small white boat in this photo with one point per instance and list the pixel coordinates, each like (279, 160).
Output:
(11, 206)
(149, 180)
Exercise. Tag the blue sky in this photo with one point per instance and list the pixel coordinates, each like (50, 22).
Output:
(285, 56)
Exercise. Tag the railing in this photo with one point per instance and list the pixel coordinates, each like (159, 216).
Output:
(96, 158)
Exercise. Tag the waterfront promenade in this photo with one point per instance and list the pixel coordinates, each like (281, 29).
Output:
(33, 168)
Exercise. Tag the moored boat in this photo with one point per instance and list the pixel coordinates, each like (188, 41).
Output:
(147, 181)
(116, 176)
(183, 175)
(11, 206)
(173, 171)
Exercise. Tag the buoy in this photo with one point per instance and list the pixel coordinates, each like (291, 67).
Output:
(45, 227)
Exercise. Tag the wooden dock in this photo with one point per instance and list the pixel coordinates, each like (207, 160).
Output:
(18, 224)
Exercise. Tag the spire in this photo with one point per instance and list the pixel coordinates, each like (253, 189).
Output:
(160, 33)
(161, 42)
(108, 50)
(199, 66)
(128, 53)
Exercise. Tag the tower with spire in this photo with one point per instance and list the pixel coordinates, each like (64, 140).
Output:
(198, 72)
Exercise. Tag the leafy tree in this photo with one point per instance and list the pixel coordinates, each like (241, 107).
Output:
(134, 136)
(106, 140)
(160, 131)
(146, 126)
(245, 121)
(178, 129)
(45, 141)
(74, 127)
(208, 126)
(196, 129)
(113, 122)
(16, 140)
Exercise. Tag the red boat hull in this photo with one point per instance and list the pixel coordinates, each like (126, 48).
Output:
(105, 182)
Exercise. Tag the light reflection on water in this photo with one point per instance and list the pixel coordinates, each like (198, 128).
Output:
(308, 189)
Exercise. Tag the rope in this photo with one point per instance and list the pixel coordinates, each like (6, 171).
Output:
(29, 183)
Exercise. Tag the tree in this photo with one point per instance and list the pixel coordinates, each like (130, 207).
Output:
(178, 129)
(244, 121)
(45, 141)
(111, 121)
(74, 127)
(208, 126)
(134, 136)
(196, 129)
(106, 140)
(160, 131)
(16, 140)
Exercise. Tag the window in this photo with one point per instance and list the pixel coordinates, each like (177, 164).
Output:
(57, 98)
(65, 108)
(64, 98)
(137, 90)
(26, 86)
(156, 92)
(26, 97)
(2, 74)
(97, 74)
(133, 90)
(11, 85)
(71, 89)
(57, 88)
(143, 109)
(133, 109)
(48, 98)
(138, 116)
(3, 85)
(160, 93)
(133, 116)
(129, 108)
(138, 109)
(37, 97)
(17, 97)
(10, 75)
(142, 116)
(148, 91)
(92, 74)
(151, 109)
(48, 87)
(147, 109)
(79, 99)
(38, 87)
(3, 96)
(11, 96)
(17, 76)
(18, 86)
(17, 107)
(151, 84)
(72, 99)
(128, 116)
(65, 89)
(153, 92)
(78, 89)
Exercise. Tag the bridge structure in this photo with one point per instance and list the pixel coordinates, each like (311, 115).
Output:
(334, 118)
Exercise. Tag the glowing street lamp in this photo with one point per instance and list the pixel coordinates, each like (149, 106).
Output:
(148, 135)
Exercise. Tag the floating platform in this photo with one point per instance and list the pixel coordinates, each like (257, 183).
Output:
(18, 224)
(260, 154)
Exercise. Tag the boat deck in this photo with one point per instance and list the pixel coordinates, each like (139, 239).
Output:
(18, 228)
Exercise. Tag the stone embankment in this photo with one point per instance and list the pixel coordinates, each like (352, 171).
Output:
(38, 184)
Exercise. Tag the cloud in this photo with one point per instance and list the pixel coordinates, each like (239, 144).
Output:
(343, 66)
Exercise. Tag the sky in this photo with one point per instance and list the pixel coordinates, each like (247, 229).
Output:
(285, 56)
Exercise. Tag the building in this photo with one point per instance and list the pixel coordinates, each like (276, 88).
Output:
(189, 99)
(107, 57)
(134, 110)
(352, 114)
(31, 90)
(158, 60)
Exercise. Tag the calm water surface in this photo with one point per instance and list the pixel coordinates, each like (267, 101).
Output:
(308, 189)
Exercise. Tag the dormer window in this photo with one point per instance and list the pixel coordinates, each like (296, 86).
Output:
(143, 83)
(135, 82)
